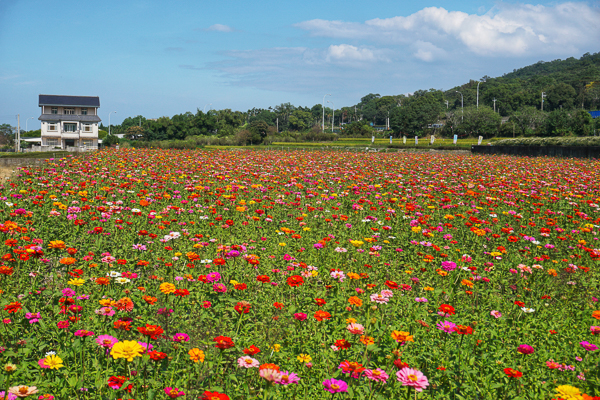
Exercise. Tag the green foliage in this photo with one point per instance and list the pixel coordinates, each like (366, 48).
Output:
(552, 141)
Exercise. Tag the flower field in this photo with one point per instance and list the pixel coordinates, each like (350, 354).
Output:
(153, 274)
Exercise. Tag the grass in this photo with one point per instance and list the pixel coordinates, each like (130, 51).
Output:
(39, 154)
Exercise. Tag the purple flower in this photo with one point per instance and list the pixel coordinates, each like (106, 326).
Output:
(589, 346)
(334, 386)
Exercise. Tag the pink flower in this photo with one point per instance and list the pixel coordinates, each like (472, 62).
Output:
(378, 375)
(213, 277)
(62, 324)
(181, 337)
(356, 329)
(286, 378)
(300, 316)
(106, 341)
(378, 298)
(83, 333)
(525, 349)
(248, 362)
(589, 346)
(495, 314)
(206, 304)
(335, 386)
(412, 377)
(270, 375)
(219, 288)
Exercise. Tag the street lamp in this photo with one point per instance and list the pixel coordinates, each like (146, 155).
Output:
(26, 123)
(323, 125)
(332, 119)
(478, 93)
(109, 121)
(209, 104)
(461, 106)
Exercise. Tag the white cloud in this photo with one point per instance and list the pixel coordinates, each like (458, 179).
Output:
(352, 54)
(220, 28)
(506, 30)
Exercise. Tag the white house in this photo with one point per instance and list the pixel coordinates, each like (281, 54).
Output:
(69, 122)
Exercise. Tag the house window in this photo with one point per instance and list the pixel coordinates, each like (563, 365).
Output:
(70, 127)
(88, 143)
(84, 111)
(54, 110)
(87, 127)
(51, 142)
(69, 111)
(52, 127)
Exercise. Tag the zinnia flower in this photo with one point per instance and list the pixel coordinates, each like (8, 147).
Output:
(588, 346)
(525, 349)
(287, 378)
(173, 392)
(356, 329)
(568, 392)
(248, 362)
(412, 377)
(106, 341)
(23, 391)
(377, 375)
(196, 355)
(52, 362)
(128, 349)
(335, 386)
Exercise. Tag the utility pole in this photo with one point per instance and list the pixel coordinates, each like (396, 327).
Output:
(543, 95)
(277, 124)
(446, 104)
(494, 105)
(18, 144)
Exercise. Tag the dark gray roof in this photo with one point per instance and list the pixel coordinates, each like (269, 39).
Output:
(67, 117)
(72, 101)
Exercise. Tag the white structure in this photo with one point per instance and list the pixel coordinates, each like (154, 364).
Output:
(69, 122)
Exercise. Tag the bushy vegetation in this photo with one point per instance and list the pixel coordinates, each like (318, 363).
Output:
(552, 141)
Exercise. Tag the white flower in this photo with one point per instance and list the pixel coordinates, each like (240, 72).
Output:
(9, 204)
(122, 280)
(135, 210)
(50, 353)
(205, 261)
(113, 274)
(203, 217)
(527, 310)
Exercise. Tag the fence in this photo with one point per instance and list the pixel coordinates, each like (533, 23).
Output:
(541, 151)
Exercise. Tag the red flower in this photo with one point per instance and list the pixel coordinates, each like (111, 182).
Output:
(263, 279)
(295, 280)
(182, 292)
(391, 284)
(278, 306)
(13, 307)
(553, 332)
(399, 364)
(214, 396)
(320, 315)
(320, 302)
(513, 373)
(153, 331)
(252, 350)
(342, 344)
(463, 330)
(219, 261)
(448, 309)
(241, 286)
(157, 355)
(242, 307)
(223, 342)
(519, 303)
(115, 382)
(351, 367)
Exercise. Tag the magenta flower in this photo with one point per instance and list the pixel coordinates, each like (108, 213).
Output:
(83, 333)
(496, 314)
(173, 392)
(68, 292)
(287, 378)
(181, 337)
(595, 330)
(446, 326)
(219, 288)
(412, 377)
(335, 386)
(300, 316)
(448, 266)
(589, 346)
(106, 341)
(213, 276)
(525, 349)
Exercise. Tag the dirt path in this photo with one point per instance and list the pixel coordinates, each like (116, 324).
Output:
(7, 172)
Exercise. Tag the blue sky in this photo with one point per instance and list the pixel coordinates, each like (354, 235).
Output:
(158, 58)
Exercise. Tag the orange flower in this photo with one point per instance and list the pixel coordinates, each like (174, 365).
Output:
(596, 314)
(269, 366)
(150, 300)
(320, 315)
(102, 281)
(355, 301)
(367, 340)
(125, 304)
(144, 203)
(68, 261)
(400, 336)
(552, 272)
(196, 355)
(167, 288)
(466, 282)
(57, 244)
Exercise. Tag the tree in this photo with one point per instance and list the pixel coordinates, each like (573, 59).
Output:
(528, 119)
(480, 121)
(358, 128)
(559, 95)
(110, 140)
(135, 132)
(7, 135)
(258, 130)
(582, 123)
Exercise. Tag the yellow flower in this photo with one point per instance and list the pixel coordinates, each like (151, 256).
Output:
(275, 348)
(10, 368)
(196, 355)
(428, 288)
(356, 243)
(367, 340)
(400, 336)
(416, 229)
(350, 320)
(568, 392)
(53, 362)
(304, 358)
(76, 282)
(106, 302)
(57, 244)
(240, 209)
(128, 349)
(306, 229)
(167, 288)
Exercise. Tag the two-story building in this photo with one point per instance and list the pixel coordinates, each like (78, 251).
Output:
(69, 122)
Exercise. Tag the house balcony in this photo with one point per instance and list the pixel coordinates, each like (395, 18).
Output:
(88, 135)
(70, 135)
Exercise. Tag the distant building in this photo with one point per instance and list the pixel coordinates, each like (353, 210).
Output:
(69, 122)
